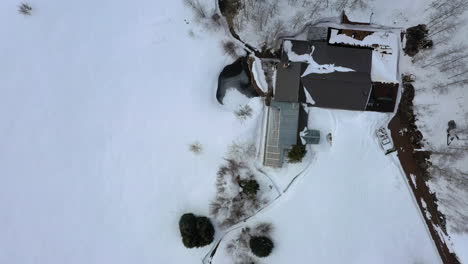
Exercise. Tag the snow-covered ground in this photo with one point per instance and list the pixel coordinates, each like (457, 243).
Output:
(99, 101)
(352, 205)
(434, 109)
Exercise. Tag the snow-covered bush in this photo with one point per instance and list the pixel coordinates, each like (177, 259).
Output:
(296, 154)
(231, 205)
(25, 9)
(196, 231)
(244, 112)
(240, 249)
(196, 147)
(239, 192)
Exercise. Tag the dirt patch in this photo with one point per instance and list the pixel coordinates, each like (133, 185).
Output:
(355, 34)
(407, 139)
(345, 20)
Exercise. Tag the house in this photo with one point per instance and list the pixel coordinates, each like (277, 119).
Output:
(345, 69)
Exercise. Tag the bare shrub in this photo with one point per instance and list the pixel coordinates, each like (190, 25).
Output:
(198, 9)
(25, 9)
(191, 34)
(207, 17)
(263, 229)
(244, 112)
(216, 19)
(230, 49)
(196, 147)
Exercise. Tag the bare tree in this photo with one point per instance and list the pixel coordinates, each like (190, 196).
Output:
(443, 87)
(196, 147)
(199, 10)
(25, 9)
(453, 198)
(447, 56)
(230, 48)
(208, 17)
(244, 112)
(352, 4)
(446, 10)
(444, 18)
(451, 61)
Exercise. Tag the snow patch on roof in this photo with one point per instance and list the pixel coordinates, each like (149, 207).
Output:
(313, 67)
(309, 98)
(259, 75)
(302, 134)
(384, 55)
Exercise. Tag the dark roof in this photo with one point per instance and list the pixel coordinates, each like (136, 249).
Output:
(317, 33)
(343, 90)
(383, 97)
(338, 93)
(288, 82)
(288, 78)
(357, 58)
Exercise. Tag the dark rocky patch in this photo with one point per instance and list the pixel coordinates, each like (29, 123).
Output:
(235, 76)
(417, 39)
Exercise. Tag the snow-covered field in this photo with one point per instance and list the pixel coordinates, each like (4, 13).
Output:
(351, 206)
(98, 103)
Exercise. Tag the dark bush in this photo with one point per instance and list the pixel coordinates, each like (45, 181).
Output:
(229, 8)
(205, 231)
(249, 187)
(296, 153)
(196, 231)
(261, 246)
(416, 39)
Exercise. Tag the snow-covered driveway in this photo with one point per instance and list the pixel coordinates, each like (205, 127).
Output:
(352, 205)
